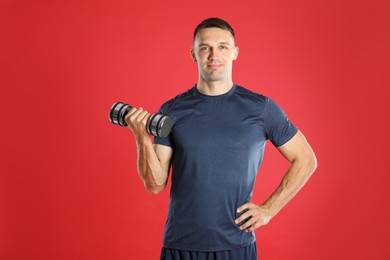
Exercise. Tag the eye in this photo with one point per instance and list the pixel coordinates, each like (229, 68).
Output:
(204, 48)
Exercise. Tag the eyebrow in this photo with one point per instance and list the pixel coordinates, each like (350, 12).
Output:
(206, 44)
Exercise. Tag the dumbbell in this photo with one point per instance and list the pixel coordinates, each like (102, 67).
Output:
(157, 125)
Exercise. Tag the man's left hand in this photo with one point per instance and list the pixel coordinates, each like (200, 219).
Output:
(255, 215)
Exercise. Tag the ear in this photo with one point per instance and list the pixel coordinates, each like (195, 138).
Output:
(193, 55)
(236, 51)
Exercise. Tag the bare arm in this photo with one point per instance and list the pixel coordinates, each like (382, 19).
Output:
(303, 163)
(153, 160)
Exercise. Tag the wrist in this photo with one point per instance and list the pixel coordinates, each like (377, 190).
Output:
(268, 209)
(143, 139)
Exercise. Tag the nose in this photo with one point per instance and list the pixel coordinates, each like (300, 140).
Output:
(214, 54)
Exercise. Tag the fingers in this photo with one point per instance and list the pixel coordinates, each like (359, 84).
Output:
(253, 223)
(137, 116)
(245, 206)
(137, 119)
(254, 217)
(248, 217)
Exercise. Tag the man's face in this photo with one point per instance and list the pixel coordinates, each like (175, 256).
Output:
(214, 51)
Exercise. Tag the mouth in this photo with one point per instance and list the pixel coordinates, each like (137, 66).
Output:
(214, 66)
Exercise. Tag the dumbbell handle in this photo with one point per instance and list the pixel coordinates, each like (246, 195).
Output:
(157, 125)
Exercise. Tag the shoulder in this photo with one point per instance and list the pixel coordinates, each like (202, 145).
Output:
(170, 104)
(251, 95)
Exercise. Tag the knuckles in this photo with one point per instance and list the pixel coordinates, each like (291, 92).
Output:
(255, 216)
(137, 116)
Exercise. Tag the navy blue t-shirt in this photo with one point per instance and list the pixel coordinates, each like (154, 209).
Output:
(218, 145)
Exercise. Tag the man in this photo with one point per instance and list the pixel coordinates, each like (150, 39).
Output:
(215, 148)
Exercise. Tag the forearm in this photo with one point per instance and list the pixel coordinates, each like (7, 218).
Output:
(303, 163)
(295, 178)
(150, 169)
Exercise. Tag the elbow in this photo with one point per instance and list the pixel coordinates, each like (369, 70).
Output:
(152, 183)
(312, 163)
(154, 189)
(308, 165)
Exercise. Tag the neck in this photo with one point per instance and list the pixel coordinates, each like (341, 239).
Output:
(214, 88)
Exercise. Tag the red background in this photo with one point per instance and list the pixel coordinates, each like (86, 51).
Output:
(68, 185)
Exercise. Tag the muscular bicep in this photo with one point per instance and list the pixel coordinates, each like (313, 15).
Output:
(164, 155)
(297, 148)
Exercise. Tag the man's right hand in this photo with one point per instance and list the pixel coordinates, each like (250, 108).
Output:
(137, 119)
(153, 160)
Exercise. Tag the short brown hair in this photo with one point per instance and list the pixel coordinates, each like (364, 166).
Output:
(214, 23)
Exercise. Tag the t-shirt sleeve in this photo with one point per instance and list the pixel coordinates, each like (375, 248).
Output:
(167, 141)
(278, 127)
